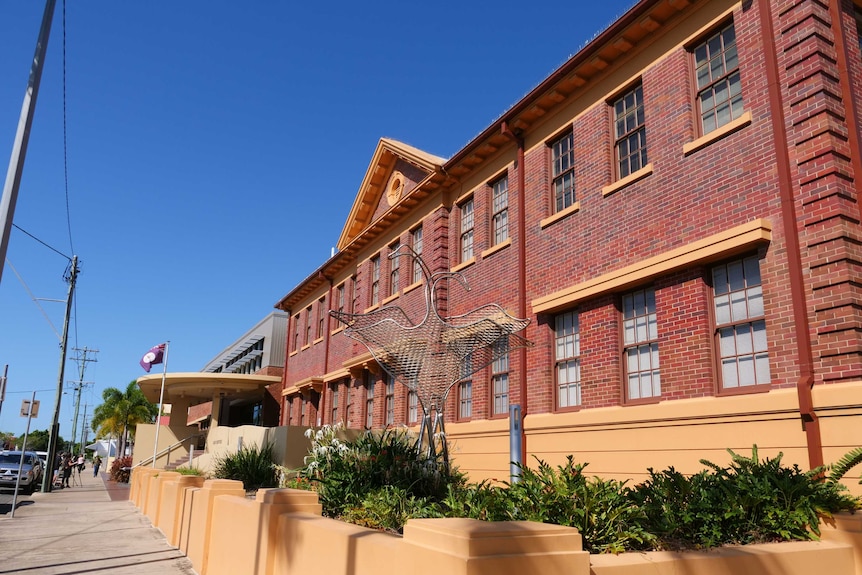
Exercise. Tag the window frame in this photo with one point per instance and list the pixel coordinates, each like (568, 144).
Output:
(638, 109)
(467, 227)
(394, 270)
(412, 407)
(296, 324)
(333, 403)
(368, 411)
(724, 77)
(558, 200)
(416, 240)
(466, 382)
(321, 317)
(389, 400)
(576, 358)
(374, 274)
(716, 327)
(499, 372)
(499, 209)
(308, 317)
(638, 344)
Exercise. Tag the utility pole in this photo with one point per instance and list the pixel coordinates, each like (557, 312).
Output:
(3, 385)
(84, 429)
(55, 426)
(22, 136)
(82, 361)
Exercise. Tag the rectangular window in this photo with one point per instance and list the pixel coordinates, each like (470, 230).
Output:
(630, 133)
(394, 265)
(339, 298)
(640, 341)
(348, 403)
(719, 90)
(333, 403)
(303, 411)
(390, 400)
(563, 172)
(465, 389)
(308, 324)
(500, 379)
(500, 203)
(369, 402)
(295, 332)
(417, 247)
(467, 230)
(740, 323)
(567, 337)
(321, 317)
(289, 408)
(412, 407)
(375, 280)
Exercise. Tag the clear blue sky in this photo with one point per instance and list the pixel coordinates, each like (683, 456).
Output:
(214, 151)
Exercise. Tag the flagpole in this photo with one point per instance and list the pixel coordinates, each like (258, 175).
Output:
(161, 399)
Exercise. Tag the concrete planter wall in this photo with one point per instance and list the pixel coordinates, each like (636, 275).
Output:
(281, 532)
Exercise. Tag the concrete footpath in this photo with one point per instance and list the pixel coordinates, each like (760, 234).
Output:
(88, 528)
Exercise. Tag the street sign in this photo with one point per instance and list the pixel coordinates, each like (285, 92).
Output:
(25, 408)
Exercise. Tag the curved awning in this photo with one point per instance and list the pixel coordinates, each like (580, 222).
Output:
(200, 385)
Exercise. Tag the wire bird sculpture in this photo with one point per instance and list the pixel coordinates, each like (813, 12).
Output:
(431, 356)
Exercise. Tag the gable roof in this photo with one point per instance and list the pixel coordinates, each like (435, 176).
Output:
(372, 188)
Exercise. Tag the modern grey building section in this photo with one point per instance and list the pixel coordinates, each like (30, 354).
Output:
(260, 348)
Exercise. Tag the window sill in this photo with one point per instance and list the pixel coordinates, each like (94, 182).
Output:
(294, 352)
(318, 340)
(372, 308)
(393, 297)
(744, 390)
(337, 330)
(560, 215)
(306, 346)
(412, 287)
(628, 180)
(504, 244)
(463, 265)
(717, 134)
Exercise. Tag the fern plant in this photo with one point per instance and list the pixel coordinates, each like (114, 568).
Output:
(840, 468)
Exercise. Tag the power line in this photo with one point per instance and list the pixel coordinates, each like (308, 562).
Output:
(65, 146)
(55, 250)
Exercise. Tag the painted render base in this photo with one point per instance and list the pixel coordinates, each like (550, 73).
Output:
(623, 442)
(280, 532)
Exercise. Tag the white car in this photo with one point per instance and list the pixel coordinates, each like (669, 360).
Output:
(31, 472)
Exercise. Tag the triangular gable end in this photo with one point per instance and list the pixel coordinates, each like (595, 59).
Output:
(394, 171)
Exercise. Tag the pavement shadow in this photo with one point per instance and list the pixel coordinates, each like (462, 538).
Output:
(6, 508)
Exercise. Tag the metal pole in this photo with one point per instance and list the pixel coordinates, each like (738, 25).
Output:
(55, 426)
(3, 386)
(515, 461)
(161, 399)
(22, 136)
(23, 450)
(83, 427)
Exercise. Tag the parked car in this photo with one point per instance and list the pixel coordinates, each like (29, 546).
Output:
(31, 472)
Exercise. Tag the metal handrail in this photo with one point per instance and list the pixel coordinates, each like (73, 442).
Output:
(167, 449)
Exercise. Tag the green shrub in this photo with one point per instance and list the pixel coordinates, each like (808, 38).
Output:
(388, 508)
(190, 471)
(345, 473)
(599, 508)
(748, 501)
(121, 469)
(840, 468)
(251, 465)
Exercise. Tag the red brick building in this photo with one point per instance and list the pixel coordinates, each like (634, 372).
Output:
(676, 209)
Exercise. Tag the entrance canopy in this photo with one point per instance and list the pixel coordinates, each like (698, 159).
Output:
(202, 386)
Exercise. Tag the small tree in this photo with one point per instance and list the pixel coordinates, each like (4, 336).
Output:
(121, 411)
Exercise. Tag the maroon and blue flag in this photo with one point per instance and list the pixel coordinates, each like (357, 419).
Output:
(152, 357)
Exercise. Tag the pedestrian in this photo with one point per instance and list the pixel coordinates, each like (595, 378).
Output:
(67, 469)
(97, 462)
(80, 464)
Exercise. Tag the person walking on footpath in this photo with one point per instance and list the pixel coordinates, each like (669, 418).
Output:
(97, 462)
(67, 469)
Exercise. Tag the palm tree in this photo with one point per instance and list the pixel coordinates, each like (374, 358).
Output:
(121, 411)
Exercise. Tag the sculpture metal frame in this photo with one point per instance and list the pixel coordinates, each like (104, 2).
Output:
(432, 355)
